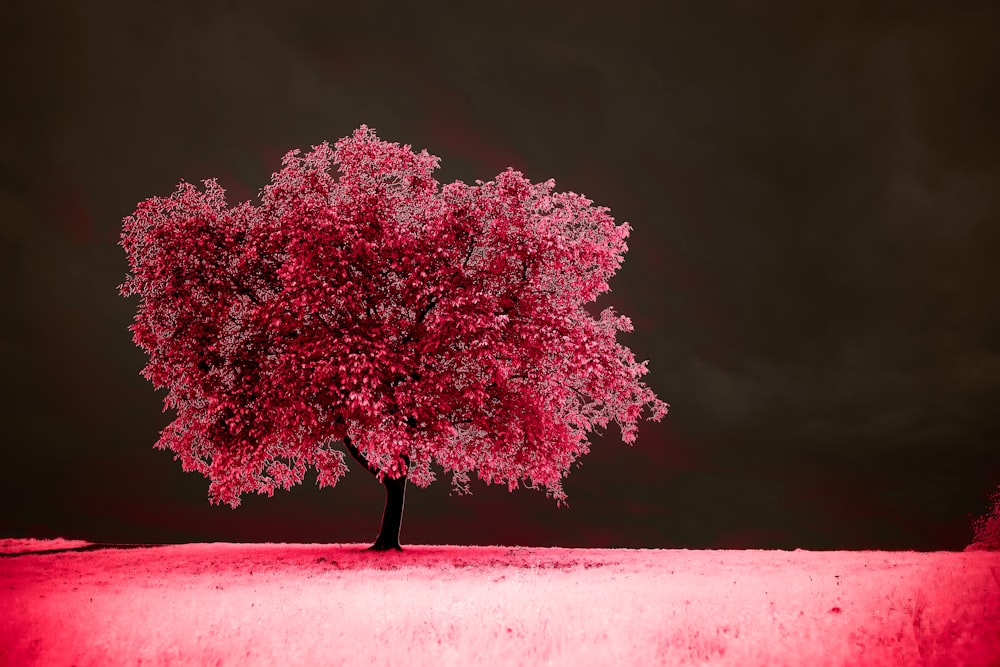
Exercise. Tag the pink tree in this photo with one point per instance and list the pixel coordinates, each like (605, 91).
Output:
(987, 527)
(411, 322)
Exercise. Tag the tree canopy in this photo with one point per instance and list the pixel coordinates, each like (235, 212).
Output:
(419, 323)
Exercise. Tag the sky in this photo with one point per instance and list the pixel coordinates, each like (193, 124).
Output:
(814, 191)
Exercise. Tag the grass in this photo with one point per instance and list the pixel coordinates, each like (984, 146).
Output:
(257, 604)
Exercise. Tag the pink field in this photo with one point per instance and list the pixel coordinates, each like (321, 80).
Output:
(312, 604)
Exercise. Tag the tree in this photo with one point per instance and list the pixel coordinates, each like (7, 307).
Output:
(413, 323)
(987, 527)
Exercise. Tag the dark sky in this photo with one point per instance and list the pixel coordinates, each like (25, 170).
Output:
(814, 189)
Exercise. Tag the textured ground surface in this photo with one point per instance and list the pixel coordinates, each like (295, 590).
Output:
(263, 604)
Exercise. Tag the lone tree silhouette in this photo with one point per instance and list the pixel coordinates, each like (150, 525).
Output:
(411, 322)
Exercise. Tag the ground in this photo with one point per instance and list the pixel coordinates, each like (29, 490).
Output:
(67, 603)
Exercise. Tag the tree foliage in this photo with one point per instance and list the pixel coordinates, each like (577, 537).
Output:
(987, 528)
(423, 323)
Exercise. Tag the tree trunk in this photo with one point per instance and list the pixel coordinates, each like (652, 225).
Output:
(392, 515)
(395, 496)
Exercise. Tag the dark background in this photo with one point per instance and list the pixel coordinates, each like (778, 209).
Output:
(813, 270)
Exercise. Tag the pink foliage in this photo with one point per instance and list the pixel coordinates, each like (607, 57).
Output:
(429, 324)
(987, 528)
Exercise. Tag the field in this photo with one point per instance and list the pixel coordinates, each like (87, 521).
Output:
(329, 604)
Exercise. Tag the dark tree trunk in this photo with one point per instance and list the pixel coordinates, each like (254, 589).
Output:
(395, 497)
(392, 515)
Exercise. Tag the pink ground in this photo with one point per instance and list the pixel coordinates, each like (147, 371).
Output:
(309, 604)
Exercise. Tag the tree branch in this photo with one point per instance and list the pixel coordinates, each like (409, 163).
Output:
(422, 314)
(359, 457)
